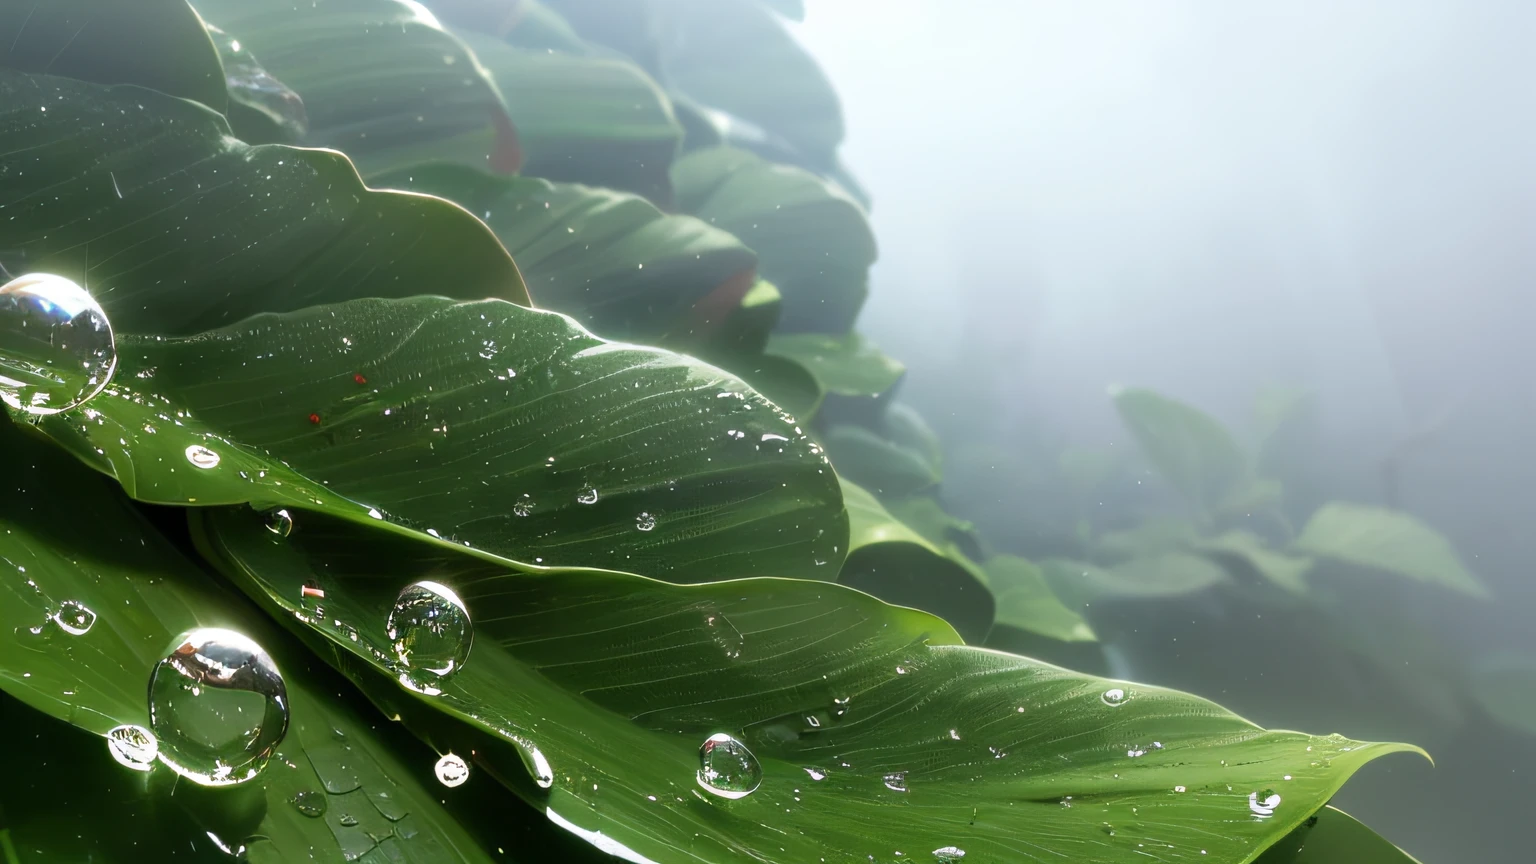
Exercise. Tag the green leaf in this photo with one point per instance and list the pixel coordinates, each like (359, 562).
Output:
(508, 429)
(812, 240)
(611, 260)
(175, 226)
(1504, 686)
(1390, 540)
(737, 56)
(920, 743)
(159, 44)
(904, 426)
(1150, 537)
(1025, 601)
(1189, 448)
(886, 468)
(70, 535)
(888, 559)
(1244, 549)
(1168, 574)
(381, 80)
(744, 333)
(927, 516)
(1334, 837)
(262, 109)
(788, 384)
(846, 365)
(1276, 408)
(1086, 470)
(584, 118)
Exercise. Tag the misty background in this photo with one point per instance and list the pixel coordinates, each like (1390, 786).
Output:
(1208, 198)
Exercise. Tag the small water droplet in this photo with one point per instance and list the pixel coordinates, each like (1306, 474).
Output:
(1178, 788)
(451, 770)
(724, 634)
(74, 618)
(348, 820)
(523, 507)
(133, 746)
(896, 781)
(1263, 803)
(202, 457)
(645, 522)
(56, 345)
(1135, 753)
(948, 854)
(218, 706)
(587, 496)
(1114, 697)
(816, 773)
(280, 522)
(727, 768)
(431, 633)
(310, 803)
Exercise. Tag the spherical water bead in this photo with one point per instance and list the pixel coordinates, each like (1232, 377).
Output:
(727, 768)
(56, 345)
(1263, 804)
(74, 618)
(202, 457)
(645, 522)
(431, 633)
(1114, 697)
(280, 522)
(218, 706)
(133, 746)
(948, 854)
(310, 803)
(451, 770)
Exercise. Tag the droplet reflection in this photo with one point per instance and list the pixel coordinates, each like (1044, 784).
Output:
(431, 633)
(727, 768)
(56, 345)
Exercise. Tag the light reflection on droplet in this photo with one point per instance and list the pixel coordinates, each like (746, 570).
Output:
(727, 768)
(133, 746)
(451, 770)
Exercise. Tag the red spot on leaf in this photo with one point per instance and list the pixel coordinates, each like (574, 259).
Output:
(315, 419)
(359, 378)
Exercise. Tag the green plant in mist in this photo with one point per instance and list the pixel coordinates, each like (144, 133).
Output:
(332, 381)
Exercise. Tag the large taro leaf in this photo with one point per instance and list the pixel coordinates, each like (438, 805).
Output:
(888, 559)
(175, 226)
(1025, 601)
(847, 365)
(875, 731)
(159, 44)
(585, 118)
(1389, 540)
(611, 260)
(737, 56)
(1191, 449)
(262, 109)
(1334, 837)
(68, 535)
(381, 80)
(812, 240)
(500, 427)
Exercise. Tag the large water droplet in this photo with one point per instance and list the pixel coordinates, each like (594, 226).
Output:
(280, 522)
(431, 634)
(133, 746)
(727, 768)
(218, 706)
(948, 854)
(310, 803)
(56, 345)
(587, 496)
(1263, 803)
(645, 522)
(1114, 697)
(202, 457)
(451, 770)
(74, 617)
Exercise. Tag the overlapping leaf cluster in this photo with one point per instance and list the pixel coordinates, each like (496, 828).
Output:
(616, 449)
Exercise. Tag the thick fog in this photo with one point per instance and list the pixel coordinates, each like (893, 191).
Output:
(1206, 198)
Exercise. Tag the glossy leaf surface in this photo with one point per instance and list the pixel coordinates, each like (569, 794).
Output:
(846, 365)
(884, 467)
(262, 109)
(176, 227)
(381, 80)
(508, 429)
(1026, 601)
(875, 732)
(1334, 837)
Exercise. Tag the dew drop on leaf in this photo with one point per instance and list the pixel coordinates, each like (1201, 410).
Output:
(280, 522)
(218, 706)
(727, 768)
(948, 854)
(202, 457)
(310, 803)
(1114, 697)
(645, 522)
(431, 634)
(56, 345)
(451, 770)
(74, 618)
(133, 746)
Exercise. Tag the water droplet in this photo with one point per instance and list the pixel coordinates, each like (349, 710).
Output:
(523, 507)
(56, 345)
(724, 634)
(347, 820)
(1135, 753)
(1114, 697)
(816, 773)
(645, 522)
(133, 746)
(587, 496)
(431, 634)
(202, 457)
(727, 768)
(451, 770)
(280, 522)
(1263, 803)
(1178, 788)
(310, 803)
(74, 617)
(948, 854)
(218, 706)
(896, 781)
